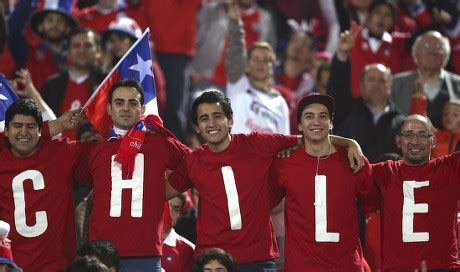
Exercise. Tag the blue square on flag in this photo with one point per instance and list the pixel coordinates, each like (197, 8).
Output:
(7, 97)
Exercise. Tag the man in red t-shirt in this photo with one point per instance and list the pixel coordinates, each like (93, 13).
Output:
(419, 202)
(231, 174)
(130, 197)
(36, 190)
(320, 191)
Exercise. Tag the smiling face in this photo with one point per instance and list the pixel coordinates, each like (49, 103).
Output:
(260, 65)
(213, 126)
(23, 134)
(415, 140)
(315, 123)
(125, 108)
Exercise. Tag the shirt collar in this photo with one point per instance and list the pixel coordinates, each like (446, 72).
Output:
(171, 238)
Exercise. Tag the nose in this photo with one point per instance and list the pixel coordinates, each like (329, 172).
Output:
(125, 107)
(23, 130)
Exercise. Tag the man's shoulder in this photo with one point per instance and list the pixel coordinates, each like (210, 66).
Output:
(405, 75)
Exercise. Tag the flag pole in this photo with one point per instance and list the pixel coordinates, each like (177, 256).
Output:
(147, 30)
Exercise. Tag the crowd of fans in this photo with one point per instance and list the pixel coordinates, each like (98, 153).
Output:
(380, 61)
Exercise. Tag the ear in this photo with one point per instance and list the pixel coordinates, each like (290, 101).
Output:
(398, 141)
(197, 129)
(109, 109)
(331, 126)
(230, 122)
(433, 140)
(142, 109)
(299, 126)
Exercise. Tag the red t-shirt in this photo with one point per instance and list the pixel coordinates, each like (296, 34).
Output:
(37, 201)
(234, 206)
(419, 213)
(129, 212)
(75, 96)
(320, 216)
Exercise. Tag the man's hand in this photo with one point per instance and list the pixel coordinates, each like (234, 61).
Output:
(355, 156)
(347, 41)
(70, 119)
(24, 85)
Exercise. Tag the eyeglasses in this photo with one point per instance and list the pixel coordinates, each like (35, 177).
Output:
(423, 137)
(433, 47)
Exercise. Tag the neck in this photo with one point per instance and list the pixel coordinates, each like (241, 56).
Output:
(319, 148)
(120, 131)
(293, 67)
(78, 72)
(430, 74)
(56, 47)
(376, 108)
(263, 85)
(220, 146)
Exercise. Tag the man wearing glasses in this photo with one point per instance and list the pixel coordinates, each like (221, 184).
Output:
(430, 52)
(419, 202)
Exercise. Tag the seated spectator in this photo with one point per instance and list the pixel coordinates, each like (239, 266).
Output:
(6, 256)
(214, 260)
(430, 52)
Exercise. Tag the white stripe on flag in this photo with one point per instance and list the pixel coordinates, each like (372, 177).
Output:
(51, 4)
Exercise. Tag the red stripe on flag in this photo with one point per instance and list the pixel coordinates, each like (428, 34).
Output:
(97, 109)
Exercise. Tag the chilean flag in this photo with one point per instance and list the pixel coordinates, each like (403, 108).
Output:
(135, 64)
(7, 97)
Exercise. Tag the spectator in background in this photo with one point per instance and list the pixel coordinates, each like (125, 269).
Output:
(117, 38)
(214, 260)
(372, 119)
(173, 26)
(375, 44)
(447, 139)
(208, 67)
(177, 251)
(430, 52)
(102, 250)
(6, 256)
(45, 56)
(72, 87)
(259, 106)
(97, 17)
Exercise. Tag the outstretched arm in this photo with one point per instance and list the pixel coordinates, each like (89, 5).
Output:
(68, 120)
(355, 154)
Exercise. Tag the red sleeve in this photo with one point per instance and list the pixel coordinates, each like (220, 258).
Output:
(418, 105)
(368, 193)
(277, 192)
(272, 143)
(46, 134)
(179, 179)
(82, 173)
(176, 151)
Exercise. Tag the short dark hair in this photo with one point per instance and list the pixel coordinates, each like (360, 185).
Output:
(129, 82)
(81, 30)
(387, 3)
(211, 97)
(25, 107)
(217, 254)
(87, 264)
(103, 250)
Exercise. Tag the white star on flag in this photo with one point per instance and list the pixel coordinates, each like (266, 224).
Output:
(144, 67)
